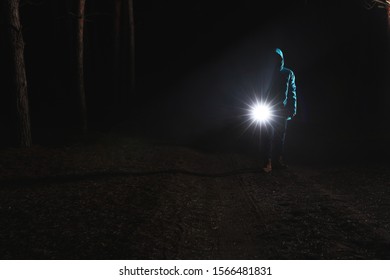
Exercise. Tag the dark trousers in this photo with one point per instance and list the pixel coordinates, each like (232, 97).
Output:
(275, 134)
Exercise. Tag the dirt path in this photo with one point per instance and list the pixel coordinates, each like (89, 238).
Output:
(286, 215)
(204, 217)
(177, 203)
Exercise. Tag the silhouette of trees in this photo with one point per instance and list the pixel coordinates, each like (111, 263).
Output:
(10, 10)
(80, 65)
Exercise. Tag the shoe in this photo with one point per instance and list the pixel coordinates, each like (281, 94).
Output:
(267, 167)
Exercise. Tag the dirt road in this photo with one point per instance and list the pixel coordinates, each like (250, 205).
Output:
(161, 202)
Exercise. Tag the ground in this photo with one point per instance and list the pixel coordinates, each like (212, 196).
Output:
(121, 197)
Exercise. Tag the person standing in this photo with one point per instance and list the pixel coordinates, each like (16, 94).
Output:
(282, 95)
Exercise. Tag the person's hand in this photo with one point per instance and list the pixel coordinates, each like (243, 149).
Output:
(287, 113)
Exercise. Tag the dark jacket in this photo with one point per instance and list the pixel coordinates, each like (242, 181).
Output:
(283, 92)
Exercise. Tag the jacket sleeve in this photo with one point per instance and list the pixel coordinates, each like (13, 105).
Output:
(292, 97)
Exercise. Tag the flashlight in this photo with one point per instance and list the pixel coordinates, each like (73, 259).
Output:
(261, 113)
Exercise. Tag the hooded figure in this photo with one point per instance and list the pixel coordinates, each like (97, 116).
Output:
(283, 90)
(282, 95)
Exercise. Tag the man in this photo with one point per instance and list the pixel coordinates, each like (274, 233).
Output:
(282, 96)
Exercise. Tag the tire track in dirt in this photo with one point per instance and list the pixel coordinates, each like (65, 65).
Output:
(304, 221)
(187, 205)
(184, 223)
(238, 223)
(368, 232)
(204, 218)
(253, 216)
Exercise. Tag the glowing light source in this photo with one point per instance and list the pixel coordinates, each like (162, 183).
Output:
(261, 113)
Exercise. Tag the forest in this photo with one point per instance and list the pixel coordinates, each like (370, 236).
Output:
(125, 131)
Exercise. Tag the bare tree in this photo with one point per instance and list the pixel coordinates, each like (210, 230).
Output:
(80, 65)
(117, 50)
(132, 44)
(11, 11)
(388, 13)
(124, 51)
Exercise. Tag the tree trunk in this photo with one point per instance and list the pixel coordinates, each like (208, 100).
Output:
(132, 45)
(11, 10)
(117, 52)
(80, 65)
(388, 56)
(388, 17)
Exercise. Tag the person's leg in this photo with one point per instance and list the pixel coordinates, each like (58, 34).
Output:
(268, 148)
(278, 145)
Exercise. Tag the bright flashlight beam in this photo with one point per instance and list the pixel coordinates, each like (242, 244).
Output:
(261, 113)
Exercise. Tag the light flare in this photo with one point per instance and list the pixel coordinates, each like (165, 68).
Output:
(261, 113)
